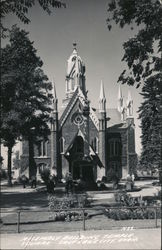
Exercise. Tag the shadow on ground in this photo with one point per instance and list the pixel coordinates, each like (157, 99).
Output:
(30, 199)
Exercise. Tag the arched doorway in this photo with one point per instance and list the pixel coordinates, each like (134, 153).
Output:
(81, 167)
(40, 169)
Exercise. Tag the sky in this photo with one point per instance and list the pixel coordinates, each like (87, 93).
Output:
(83, 22)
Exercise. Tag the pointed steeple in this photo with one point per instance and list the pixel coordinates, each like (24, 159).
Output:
(129, 95)
(123, 111)
(74, 48)
(102, 132)
(75, 76)
(102, 99)
(120, 99)
(129, 104)
(55, 100)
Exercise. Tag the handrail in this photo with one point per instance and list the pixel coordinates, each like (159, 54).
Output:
(72, 209)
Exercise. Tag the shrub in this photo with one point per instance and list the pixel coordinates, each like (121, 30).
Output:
(3, 174)
(137, 213)
(72, 201)
(69, 216)
(151, 213)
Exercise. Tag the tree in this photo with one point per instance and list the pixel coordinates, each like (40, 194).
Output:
(143, 55)
(16, 160)
(26, 100)
(21, 7)
(150, 125)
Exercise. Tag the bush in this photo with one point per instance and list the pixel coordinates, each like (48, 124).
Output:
(69, 216)
(73, 201)
(127, 200)
(3, 174)
(137, 213)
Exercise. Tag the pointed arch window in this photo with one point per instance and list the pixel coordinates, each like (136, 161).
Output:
(114, 147)
(62, 145)
(94, 144)
(43, 148)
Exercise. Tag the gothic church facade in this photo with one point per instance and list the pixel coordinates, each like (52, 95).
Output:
(85, 141)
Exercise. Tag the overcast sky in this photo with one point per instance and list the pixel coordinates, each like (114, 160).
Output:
(101, 50)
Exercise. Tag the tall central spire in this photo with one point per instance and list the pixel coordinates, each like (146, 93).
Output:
(75, 76)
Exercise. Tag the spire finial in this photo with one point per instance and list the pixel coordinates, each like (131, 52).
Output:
(129, 95)
(120, 99)
(129, 104)
(102, 92)
(102, 99)
(74, 45)
(120, 93)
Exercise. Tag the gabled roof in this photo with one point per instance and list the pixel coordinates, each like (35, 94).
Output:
(92, 153)
(69, 107)
(78, 95)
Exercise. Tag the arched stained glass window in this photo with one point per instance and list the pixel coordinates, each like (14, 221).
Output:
(62, 145)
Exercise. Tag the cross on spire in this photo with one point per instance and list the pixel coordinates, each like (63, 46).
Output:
(74, 45)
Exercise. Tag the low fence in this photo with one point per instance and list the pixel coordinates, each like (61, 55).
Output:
(80, 219)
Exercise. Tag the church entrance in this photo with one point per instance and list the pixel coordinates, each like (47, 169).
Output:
(83, 170)
(80, 167)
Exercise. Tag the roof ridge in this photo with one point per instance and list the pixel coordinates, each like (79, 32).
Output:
(67, 108)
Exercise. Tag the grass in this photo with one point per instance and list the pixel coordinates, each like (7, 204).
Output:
(41, 222)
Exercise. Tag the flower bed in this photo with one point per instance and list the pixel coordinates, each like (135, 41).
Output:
(69, 216)
(68, 202)
(132, 213)
(132, 208)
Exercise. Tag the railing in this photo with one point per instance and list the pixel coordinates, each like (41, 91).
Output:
(84, 225)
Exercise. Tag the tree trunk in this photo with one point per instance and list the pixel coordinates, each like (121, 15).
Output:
(9, 166)
(32, 164)
(160, 162)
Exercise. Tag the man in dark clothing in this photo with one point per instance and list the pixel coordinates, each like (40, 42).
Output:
(69, 183)
(33, 182)
(24, 181)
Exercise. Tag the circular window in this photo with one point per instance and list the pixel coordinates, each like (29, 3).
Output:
(77, 119)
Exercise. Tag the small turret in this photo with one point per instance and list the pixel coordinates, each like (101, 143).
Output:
(55, 100)
(123, 111)
(102, 99)
(120, 100)
(129, 105)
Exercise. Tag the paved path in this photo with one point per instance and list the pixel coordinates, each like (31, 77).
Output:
(104, 239)
(147, 189)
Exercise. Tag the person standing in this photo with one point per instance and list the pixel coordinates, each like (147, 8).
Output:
(69, 183)
(24, 180)
(33, 181)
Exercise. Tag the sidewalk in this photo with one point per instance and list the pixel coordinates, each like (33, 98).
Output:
(100, 239)
(19, 188)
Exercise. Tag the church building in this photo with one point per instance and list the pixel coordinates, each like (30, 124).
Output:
(86, 141)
